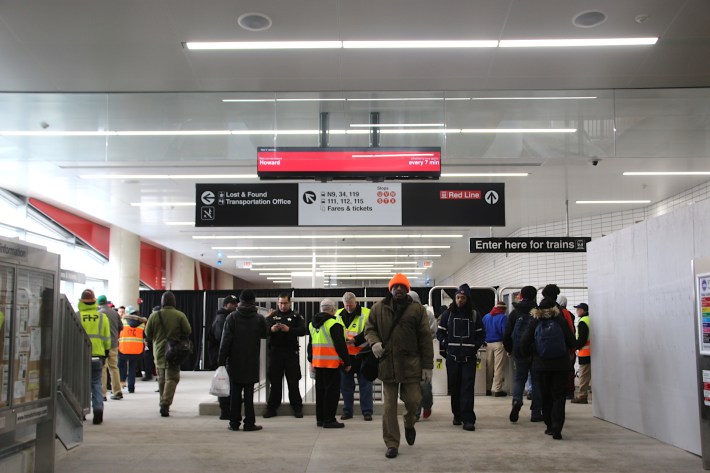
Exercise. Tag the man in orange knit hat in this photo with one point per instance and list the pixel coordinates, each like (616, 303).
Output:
(398, 332)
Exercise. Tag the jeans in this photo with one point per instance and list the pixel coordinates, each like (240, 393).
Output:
(127, 368)
(97, 394)
(522, 369)
(347, 389)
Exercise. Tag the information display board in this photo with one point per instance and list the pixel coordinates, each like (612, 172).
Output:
(349, 163)
(350, 204)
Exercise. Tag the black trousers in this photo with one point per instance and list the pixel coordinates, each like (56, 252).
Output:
(284, 362)
(239, 393)
(148, 363)
(461, 380)
(553, 387)
(327, 394)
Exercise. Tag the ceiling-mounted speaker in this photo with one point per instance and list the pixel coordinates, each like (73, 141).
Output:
(254, 21)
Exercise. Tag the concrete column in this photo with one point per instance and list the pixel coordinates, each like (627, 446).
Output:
(124, 267)
(224, 281)
(183, 272)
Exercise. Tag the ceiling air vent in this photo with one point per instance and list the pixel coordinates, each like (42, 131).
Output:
(589, 19)
(254, 21)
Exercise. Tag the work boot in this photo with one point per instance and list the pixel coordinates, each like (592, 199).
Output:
(579, 400)
(410, 435)
(268, 413)
(165, 411)
(98, 417)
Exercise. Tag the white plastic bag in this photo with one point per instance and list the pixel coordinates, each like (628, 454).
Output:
(220, 383)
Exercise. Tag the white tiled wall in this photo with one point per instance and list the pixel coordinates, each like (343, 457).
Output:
(564, 269)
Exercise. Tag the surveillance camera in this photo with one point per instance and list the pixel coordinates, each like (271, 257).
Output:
(44, 125)
(595, 162)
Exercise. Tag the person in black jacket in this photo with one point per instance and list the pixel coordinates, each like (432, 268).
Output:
(229, 304)
(285, 326)
(239, 351)
(512, 338)
(461, 334)
(551, 372)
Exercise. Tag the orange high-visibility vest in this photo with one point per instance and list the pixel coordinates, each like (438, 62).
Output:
(356, 326)
(130, 341)
(322, 346)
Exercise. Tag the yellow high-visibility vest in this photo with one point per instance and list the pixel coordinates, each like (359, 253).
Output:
(586, 350)
(356, 327)
(322, 346)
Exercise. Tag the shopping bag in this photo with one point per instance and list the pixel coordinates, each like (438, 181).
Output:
(220, 383)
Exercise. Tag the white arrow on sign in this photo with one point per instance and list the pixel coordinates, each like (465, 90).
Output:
(491, 197)
(207, 197)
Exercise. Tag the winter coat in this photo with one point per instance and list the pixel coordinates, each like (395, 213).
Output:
(215, 334)
(562, 363)
(494, 324)
(240, 347)
(166, 323)
(460, 333)
(520, 309)
(408, 349)
(116, 323)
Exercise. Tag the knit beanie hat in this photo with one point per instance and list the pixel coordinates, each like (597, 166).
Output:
(88, 296)
(399, 278)
(528, 293)
(547, 303)
(465, 290)
(247, 296)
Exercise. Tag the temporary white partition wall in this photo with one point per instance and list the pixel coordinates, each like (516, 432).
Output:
(641, 301)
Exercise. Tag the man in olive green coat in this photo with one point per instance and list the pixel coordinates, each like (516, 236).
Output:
(398, 332)
(168, 322)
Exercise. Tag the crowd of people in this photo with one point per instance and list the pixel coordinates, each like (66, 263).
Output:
(540, 338)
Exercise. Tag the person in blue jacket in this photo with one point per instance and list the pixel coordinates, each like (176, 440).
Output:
(461, 334)
(494, 324)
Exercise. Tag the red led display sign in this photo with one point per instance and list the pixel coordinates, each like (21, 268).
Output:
(347, 163)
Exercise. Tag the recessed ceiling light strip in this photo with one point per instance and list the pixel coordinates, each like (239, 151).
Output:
(613, 202)
(667, 173)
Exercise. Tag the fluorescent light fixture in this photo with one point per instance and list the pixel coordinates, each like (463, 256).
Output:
(315, 248)
(257, 45)
(484, 174)
(667, 173)
(178, 224)
(311, 256)
(322, 237)
(422, 44)
(168, 176)
(247, 100)
(613, 202)
(533, 98)
(394, 125)
(396, 99)
(387, 278)
(556, 43)
(417, 131)
(518, 130)
(281, 281)
(163, 204)
(311, 100)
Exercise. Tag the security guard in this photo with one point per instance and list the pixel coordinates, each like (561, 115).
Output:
(353, 317)
(97, 328)
(285, 326)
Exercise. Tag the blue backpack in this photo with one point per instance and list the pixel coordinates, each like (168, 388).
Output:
(521, 325)
(549, 339)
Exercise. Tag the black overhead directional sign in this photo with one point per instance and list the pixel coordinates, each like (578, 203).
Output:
(350, 204)
(529, 245)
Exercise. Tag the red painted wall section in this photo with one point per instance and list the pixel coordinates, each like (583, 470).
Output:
(152, 270)
(95, 235)
(152, 258)
(206, 272)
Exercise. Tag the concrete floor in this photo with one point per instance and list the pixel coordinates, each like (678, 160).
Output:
(134, 437)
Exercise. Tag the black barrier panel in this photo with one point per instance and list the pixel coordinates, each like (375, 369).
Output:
(455, 204)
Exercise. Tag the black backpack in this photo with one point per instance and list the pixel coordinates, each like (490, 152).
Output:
(521, 325)
(549, 339)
